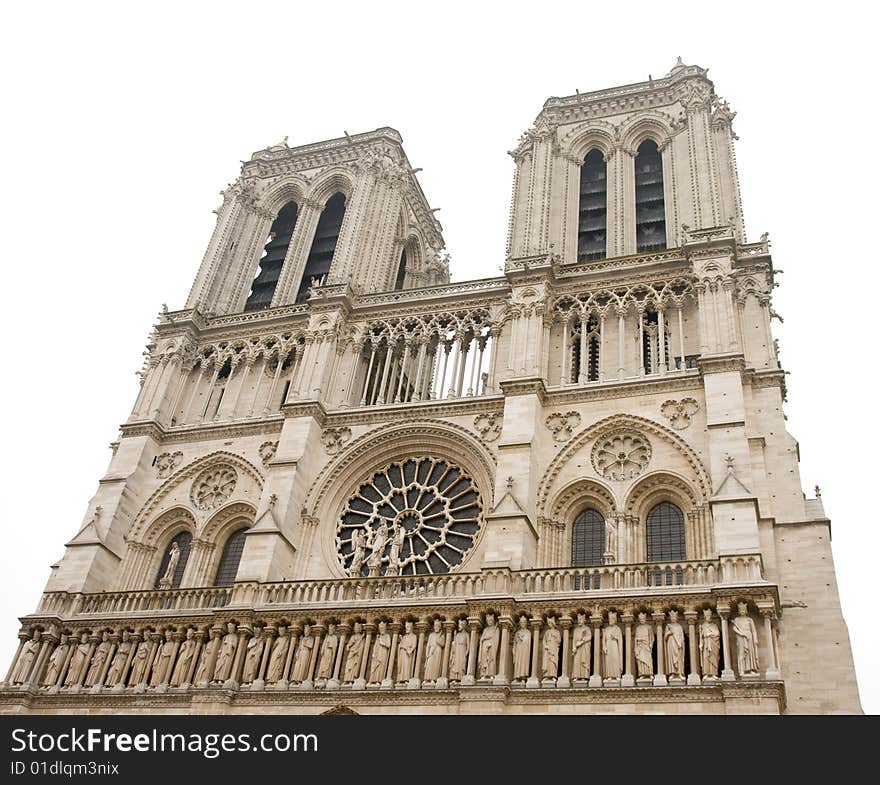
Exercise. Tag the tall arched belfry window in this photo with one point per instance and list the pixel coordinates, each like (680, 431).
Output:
(324, 244)
(587, 539)
(401, 271)
(665, 533)
(230, 558)
(173, 562)
(272, 260)
(650, 207)
(593, 211)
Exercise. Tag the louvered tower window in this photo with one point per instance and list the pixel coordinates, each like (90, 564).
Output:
(272, 260)
(230, 558)
(587, 539)
(650, 207)
(324, 245)
(592, 229)
(401, 271)
(665, 533)
(183, 540)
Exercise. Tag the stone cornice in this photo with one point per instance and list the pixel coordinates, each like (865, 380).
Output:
(722, 363)
(689, 380)
(201, 433)
(309, 408)
(451, 407)
(526, 385)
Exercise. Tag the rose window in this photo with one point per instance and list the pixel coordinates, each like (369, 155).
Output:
(417, 517)
(213, 487)
(621, 456)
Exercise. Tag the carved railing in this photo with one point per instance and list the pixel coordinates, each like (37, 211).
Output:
(125, 602)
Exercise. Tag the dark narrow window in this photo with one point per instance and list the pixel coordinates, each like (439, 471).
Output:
(592, 229)
(587, 539)
(272, 260)
(229, 559)
(665, 533)
(401, 271)
(324, 244)
(182, 541)
(650, 207)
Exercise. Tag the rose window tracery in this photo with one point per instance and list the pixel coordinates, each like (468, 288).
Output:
(213, 487)
(621, 456)
(416, 517)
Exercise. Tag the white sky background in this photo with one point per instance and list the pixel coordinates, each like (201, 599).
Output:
(120, 128)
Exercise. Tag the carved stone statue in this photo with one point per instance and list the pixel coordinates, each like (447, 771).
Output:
(643, 644)
(184, 659)
(460, 647)
(488, 651)
(202, 674)
(163, 660)
(522, 649)
(80, 653)
(226, 655)
(354, 648)
(120, 658)
(278, 657)
(581, 638)
(56, 662)
(710, 645)
(138, 663)
(26, 658)
(434, 652)
(673, 637)
(397, 538)
(98, 660)
(612, 648)
(252, 656)
(303, 657)
(746, 640)
(376, 541)
(359, 553)
(327, 659)
(379, 656)
(551, 642)
(167, 579)
(406, 653)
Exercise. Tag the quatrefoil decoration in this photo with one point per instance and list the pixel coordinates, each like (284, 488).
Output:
(679, 413)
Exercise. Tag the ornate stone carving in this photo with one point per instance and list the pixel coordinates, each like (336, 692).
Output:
(562, 425)
(460, 648)
(674, 641)
(166, 463)
(679, 413)
(213, 487)
(522, 648)
(710, 646)
(488, 659)
(434, 652)
(746, 642)
(643, 643)
(612, 647)
(550, 646)
(581, 641)
(267, 452)
(488, 426)
(621, 455)
(334, 439)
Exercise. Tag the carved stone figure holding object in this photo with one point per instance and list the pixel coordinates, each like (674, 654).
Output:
(643, 644)
(488, 650)
(581, 638)
(747, 642)
(710, 646)
(522, 649)
(460, 648)
(434, 652)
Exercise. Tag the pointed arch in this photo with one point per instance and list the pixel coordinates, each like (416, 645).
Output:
(324, 244)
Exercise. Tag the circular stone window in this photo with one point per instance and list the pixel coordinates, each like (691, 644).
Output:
(416, 517)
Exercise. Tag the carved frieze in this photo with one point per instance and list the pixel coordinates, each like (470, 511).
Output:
(166, 463)
(562, 425)
(488, 426)
(267, 452)
(334, 439)
(679, 413)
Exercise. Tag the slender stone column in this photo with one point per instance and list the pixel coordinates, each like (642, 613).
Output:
(135, 638)
(380, 397)
(244, 632)
(474, 625)
(72, 642)
(165, 677)
(48, 642)
(388, 681)
(772, 672)
(659, 677)
(596, 678)
(269, 633)
(213, 650)
(563, 377)
(199, 637)
(621, 343)
(694, 675)
(583, 365)
(565, 679)
(506, 624)
(681, 337)
(641, 343)
(416, 681)
(102, 675)
(361, 681)
(203, 410)
(156, 638)
(661, 342)
(23, 637)
(293, 632)
(443, 681)
(535, 623)
(333, 681)
(403, 362)
(318, 631)
(727, 673)
(628, 679)
(420, 367)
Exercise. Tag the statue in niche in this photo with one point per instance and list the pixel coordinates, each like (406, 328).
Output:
(226, 656)
(80, 654)
(278, 657)
(303, 657)
(120, 658)
(643, 644)
(354, 648)
(406, 653)
(379, 656)
(253, 655)
(376, 541)
(138, 663)
(328, 654)
(747, 641)
(552, 639)
(184, 659)
(710, 645)
(98, 660)
(612, 647)
(460, 647)
(673, 637)
(488, 650)
(26, 658)
(397, 538)
(581, 638)
(56, 662)
(167, 579)
(359, 553)
(610, 538)
(434, 652)
(163, 660)
(522, 649)
(202, 669)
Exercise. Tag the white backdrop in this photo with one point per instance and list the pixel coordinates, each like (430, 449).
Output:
(120, 128)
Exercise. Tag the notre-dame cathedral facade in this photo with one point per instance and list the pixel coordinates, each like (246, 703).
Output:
(348, 484)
